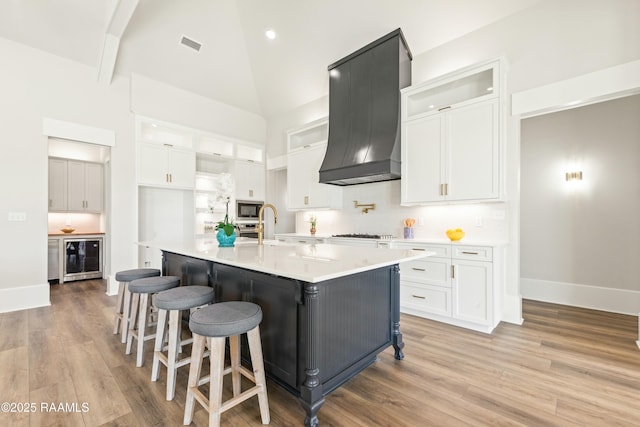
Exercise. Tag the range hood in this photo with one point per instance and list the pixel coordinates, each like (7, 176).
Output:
(364, 113)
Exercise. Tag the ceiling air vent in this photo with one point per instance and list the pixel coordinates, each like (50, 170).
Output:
(186, 41)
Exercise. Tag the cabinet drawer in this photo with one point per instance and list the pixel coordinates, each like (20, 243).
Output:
(443, 251)
(433, 299)
(478, 253)
(432, 270)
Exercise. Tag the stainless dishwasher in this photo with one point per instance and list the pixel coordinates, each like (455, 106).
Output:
(82, 258)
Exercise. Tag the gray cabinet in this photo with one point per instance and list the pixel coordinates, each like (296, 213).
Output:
(75, 186)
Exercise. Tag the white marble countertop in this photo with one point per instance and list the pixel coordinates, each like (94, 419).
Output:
(466, 241)
(307, 262)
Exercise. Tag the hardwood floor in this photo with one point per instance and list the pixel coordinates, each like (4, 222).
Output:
(565, 366)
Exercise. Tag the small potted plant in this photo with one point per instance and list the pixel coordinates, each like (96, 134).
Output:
(226, 235)
(312, 220)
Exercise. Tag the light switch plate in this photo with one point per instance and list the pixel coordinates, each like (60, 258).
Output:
(17, 216)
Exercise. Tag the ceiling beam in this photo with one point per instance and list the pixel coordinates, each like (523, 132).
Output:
(122, 13)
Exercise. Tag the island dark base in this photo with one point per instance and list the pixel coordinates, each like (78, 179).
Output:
(315, 336)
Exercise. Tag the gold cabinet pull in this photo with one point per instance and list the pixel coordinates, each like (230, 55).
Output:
(419, 296)
(306, 200)
(419, 269)
(446, 189)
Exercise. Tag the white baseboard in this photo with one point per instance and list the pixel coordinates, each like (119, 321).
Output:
(112, 285)
(24, 297)
(512, 309)
(621, 301)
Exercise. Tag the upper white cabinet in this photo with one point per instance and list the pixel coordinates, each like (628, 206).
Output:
(451, 138)
(166, 166)
(313, 133)
(166, 157)
(249, 178)
(307, 146)
(303, 186)
(75, 186)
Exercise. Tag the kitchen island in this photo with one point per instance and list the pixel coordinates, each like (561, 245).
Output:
(328, 310)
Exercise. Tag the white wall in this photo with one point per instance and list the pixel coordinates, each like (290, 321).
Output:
(549, 42)
(592, 224)
(34, 85)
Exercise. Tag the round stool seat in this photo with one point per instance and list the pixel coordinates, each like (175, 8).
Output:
(136, 273)
(225, 319)
(184, 297)
(151, 285)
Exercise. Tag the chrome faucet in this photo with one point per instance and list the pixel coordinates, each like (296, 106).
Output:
(260, 226)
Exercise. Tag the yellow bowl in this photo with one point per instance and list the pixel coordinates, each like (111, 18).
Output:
(67, 230)
(455, 234)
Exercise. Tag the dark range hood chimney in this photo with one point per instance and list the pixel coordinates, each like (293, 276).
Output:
(364, 113)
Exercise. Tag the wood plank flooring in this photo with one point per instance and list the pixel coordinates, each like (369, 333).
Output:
(564, 366)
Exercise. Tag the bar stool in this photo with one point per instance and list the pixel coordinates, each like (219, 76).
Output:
(123, 303)
(174, 301)
(213, 324)
(140, 290)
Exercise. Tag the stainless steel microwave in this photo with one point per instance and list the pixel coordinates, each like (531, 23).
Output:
(248, 209)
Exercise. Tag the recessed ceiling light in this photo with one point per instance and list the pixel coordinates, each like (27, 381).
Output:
(271, 34)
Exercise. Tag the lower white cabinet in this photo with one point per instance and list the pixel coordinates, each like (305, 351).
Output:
(292, 238)
(458, 285)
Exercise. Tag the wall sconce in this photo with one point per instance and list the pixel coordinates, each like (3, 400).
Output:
(573, 176)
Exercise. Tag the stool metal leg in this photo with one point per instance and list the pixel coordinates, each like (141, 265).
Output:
(255, 348)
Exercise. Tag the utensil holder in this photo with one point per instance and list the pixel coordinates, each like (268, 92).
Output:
(408, 232)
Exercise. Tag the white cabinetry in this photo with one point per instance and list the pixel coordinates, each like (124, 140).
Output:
(166, 166)
(288, 238)
(249, 177)
(458, 285)
(451, 138)
(75, 186)
(307, 146)
(304, 188)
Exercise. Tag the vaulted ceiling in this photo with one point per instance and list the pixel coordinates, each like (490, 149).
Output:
(237, 64)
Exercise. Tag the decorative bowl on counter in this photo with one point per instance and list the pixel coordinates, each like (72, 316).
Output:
(455, 234)
(67, 230)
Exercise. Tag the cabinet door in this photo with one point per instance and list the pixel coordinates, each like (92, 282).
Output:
(57, 185)
(94, 187)
(181, 167)
(298, 178)
(473, 152)
(249, 178)
(152, 164)
(472, 291)
(75, 186)
(303, 180)
(422, 157)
